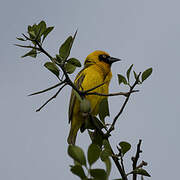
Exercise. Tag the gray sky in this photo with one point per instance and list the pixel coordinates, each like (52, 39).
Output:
(145, 33)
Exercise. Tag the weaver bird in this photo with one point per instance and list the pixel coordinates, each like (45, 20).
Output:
(96, 71)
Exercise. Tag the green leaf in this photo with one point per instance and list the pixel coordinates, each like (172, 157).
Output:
(42, 24)
(105, 155)
(122, 79)
(74, 62)
(52, 67)
(77, 154)
(97, 138)
(92, 122)
(46, 32)
(106, 144)
(30, 28)
(135, 75)
(76, 163)
(108, 166)
(103, 109)
(107, 150)
(74, 35)
(20, 39)
(87, 125)
(146, 74)
(91, 135)
(65, 48)
(78, 170)
(31, 53)
(141, 172)
(128, 72)
(97, 123)
(32, 31)
(93, 153)
(125, 147)
(98, 173)
(34, 28)
(58, 58)
(70, 68)
(32, 34)
(41, 27)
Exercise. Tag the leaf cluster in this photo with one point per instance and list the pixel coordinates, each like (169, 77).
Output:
(140, 80)
(83, 165)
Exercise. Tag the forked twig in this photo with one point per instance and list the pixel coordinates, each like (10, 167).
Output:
(124, 104)
(53, 97)
(52, 87)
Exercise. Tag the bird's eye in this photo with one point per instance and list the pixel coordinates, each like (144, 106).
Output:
(103, 57)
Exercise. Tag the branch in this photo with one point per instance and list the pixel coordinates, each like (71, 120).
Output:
(40, 47)
(86, 92)
(122, 163)
(32, 47)
(124, 104)
(52, 87)
(116, 161)
(112, 94)
(143, 163)
(135, 159)
(42, 50)
(53, 97)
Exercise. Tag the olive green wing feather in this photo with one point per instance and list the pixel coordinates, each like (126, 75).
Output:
(78, 81)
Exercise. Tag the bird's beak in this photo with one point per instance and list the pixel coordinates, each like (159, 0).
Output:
(112, 60)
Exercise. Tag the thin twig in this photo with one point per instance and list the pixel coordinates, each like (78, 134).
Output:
(51, 97)
(86, 92)
(42, 50)
(32, 47)
(135, 159)
(112, 94)
(116, 161)
(124, 104)
(52, 87)
(96, 127)
(122, 164)
(143, 163)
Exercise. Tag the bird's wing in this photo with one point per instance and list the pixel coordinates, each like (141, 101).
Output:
(78, 81)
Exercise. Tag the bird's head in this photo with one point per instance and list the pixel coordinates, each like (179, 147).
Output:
(100, 57)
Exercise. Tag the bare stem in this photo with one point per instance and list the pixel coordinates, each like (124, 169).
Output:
(45, 90)
(124, 104)
(135, 159)
(120, 168)
(112, 94)
(86, 92)
(31, 47)
(53, 97)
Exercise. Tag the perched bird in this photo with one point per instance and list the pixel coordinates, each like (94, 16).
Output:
(96, 71)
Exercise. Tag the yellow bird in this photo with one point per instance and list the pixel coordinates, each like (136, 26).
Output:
(96, 71)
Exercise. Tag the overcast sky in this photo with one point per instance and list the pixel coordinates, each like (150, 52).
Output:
(145, 33)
